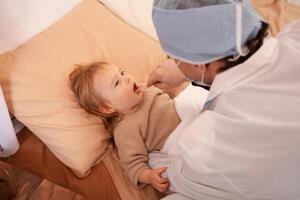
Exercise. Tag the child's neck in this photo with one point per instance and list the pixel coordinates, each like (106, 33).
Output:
(132, 109)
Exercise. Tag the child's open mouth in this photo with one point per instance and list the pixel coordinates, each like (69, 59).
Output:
(136, 88)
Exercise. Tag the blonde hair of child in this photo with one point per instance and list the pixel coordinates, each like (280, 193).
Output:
(81, 83)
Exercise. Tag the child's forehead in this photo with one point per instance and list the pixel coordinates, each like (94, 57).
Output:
(113, 68)
(106, 74)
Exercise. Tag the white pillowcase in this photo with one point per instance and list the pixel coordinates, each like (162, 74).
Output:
(137, 13)
(8, 140)
(21, 20)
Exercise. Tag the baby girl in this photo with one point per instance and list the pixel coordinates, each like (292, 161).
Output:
(140, 119)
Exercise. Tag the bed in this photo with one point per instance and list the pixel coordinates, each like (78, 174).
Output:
(96, 173)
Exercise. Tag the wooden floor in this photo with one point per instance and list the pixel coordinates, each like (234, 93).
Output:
(27, 186)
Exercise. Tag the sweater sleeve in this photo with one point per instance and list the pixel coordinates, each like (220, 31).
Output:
(132, 151)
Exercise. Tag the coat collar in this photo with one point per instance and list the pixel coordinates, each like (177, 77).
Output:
(242, 73)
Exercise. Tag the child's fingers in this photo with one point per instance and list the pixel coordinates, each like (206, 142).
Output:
(162, 180)
(163, 187)
(161, 170)
(159, 179)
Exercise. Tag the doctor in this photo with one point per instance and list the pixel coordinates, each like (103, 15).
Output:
(245, 144)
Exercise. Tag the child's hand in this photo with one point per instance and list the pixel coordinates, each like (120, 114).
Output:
(153, 177)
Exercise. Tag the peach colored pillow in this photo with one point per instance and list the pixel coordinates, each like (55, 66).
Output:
(277, 13)
(34, 78)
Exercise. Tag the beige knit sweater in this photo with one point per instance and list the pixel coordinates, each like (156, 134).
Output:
(144, 129)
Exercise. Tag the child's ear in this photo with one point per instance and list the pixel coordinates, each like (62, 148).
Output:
(106, 109)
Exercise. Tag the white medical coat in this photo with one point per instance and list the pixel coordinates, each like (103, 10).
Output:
(246, 143)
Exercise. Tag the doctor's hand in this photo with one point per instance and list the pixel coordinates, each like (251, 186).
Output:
(153, 177)
(166, 75)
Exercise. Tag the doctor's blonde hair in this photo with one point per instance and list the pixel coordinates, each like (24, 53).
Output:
(81, 83)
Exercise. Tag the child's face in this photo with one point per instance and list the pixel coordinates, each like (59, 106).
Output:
(120, 90)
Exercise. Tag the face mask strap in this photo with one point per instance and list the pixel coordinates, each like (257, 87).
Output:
(239, 27)
(199, 83)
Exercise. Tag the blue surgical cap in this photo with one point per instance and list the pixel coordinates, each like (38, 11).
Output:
(200, 35)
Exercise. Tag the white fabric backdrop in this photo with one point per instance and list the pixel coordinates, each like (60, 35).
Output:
(21, 20)
(137, 13)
